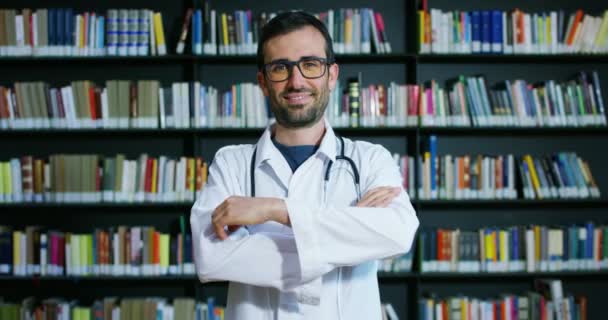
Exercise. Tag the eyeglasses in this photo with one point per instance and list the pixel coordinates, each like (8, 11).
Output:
(310, 68)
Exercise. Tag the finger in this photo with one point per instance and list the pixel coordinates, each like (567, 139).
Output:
(217, 215)
(371, 195)
(219, 231)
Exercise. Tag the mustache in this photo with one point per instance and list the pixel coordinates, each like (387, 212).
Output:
(303, 90)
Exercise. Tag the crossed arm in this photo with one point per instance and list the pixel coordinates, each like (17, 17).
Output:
(382, 224)
(238, 211)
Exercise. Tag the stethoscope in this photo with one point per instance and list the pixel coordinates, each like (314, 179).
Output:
(341, 156)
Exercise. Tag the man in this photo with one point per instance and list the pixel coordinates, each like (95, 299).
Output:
(284, 220)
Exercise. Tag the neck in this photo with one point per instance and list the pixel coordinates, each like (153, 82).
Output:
(300, 136)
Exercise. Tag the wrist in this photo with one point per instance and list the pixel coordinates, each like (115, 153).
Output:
(278, 211)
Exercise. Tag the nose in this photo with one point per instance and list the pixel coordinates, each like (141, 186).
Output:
(296, 80)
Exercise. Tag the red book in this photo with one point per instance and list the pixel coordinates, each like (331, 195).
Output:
(92, 102)
(440, 245)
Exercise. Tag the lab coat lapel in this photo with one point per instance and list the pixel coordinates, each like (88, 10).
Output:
(271, 161)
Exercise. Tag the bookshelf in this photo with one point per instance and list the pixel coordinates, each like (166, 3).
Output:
(404, 65)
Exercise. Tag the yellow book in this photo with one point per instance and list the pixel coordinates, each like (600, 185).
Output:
(421, 28)
(504, 245)
(83, 253)
(191, 174)
(464, 309)
(154, 176)
(533, 175)
(164, 251)
(160, 34)
(204, 173)
(89, 240)
(602, 35)
(225, 30)
(83, 29)
(2, 182)
(16, 250)
(348, 32)
(8, 179)
(490, 247)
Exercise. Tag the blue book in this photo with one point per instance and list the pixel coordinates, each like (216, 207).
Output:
(101, 27)
(497, 31)
(528, 100)
(210, 306)
(52, 21)
(60, 27)
(69, 29)
(433, 245)
(197, 32)
(245, 30)
(568, 170)
(589, 242)
(486, 31)
(365, 31)
(573, 242)
(476, 31)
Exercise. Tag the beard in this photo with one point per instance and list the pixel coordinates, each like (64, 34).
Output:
(299, 115)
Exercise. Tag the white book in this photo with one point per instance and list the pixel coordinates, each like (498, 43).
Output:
(195, 117)
(161, 105)
(185, 104)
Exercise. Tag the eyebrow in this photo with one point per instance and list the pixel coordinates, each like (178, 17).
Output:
(303, 57)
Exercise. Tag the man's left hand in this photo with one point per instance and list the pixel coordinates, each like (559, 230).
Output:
(238, 211)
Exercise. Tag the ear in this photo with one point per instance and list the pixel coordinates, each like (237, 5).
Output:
(262, 82)
(334, 72)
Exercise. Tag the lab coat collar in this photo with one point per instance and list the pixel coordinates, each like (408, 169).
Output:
(266, 150)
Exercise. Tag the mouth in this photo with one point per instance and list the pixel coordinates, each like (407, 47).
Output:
(298, 98)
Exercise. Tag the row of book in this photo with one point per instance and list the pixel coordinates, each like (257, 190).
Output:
(546, 301)
(62, 32)
(560, 176)
(514, 249)
(467, 101)
(353, 30)
(511, 32)
(464, 102)
(130, 104)
(89, 178)
(113, 308)
(146, 251)
(114, 251)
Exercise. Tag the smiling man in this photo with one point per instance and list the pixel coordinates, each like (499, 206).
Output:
(297, 221)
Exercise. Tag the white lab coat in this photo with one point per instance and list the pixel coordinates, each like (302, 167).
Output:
(324, 265)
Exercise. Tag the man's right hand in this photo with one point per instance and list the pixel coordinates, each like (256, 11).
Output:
(379, 197)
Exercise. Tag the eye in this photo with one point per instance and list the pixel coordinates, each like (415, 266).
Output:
(278, 67)
(310, 64)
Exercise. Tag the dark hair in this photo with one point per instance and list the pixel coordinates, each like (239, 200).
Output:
(287, 22)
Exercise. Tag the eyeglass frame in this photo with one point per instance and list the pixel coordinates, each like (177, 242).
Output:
(290, 64)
